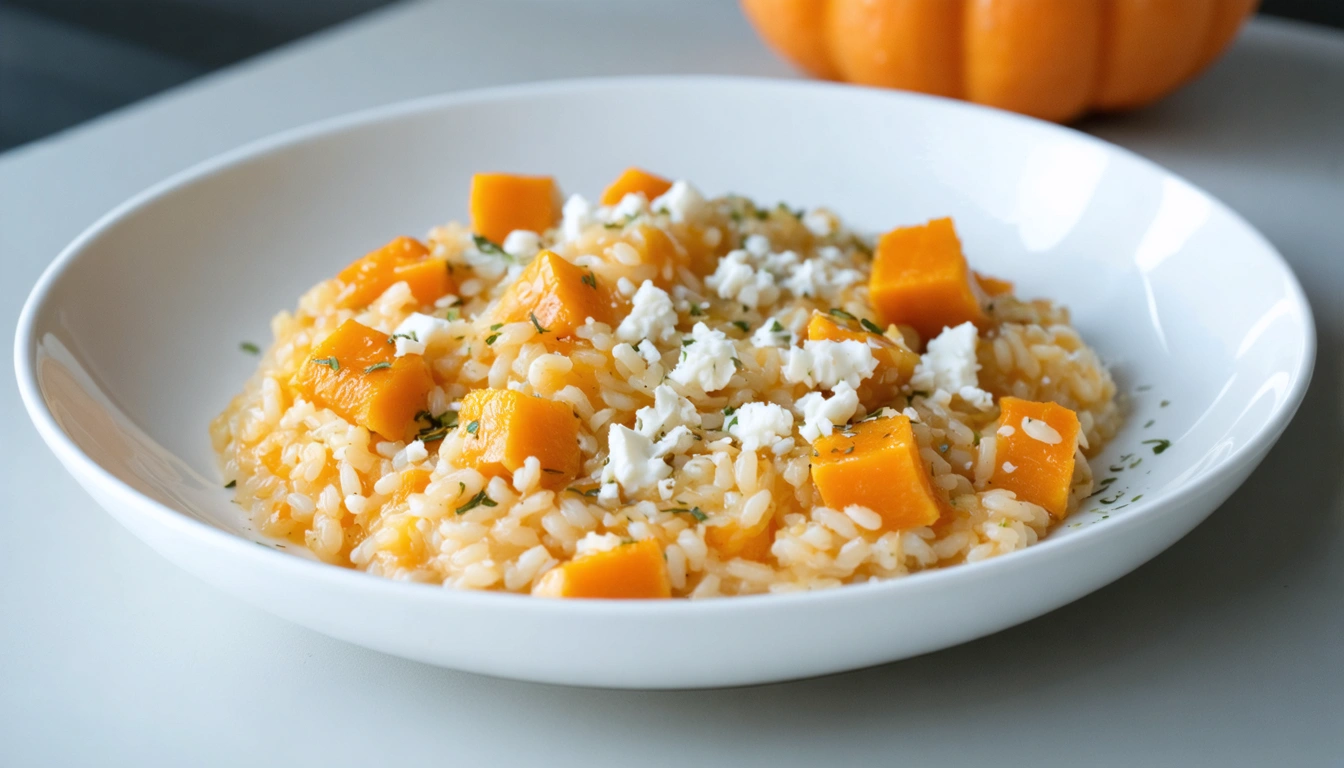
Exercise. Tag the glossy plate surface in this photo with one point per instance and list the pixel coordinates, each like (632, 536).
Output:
(128, 347)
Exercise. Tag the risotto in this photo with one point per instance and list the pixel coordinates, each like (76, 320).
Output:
(664, 395)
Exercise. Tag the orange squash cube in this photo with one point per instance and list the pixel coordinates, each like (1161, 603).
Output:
(993, 286)
(554, 295)
(895, 362)
(876, 464)
(1034, 453)
(500, 428)
(354, 372)
(920, 279)
(503, 202)
(633, 180)
(404, 259)
(732, 540)
(635, 570)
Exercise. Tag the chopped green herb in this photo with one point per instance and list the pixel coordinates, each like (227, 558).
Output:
(693, 512)
(731, 423)
(1150, 423)
(863, 247)
(775, 327)
(1136, 462)
(550, 471)
(250, 348)
(849, 450)
(761, 213)
(232, 484)
(737, 364)
(1111, 500)
(687, 342)
(695, 310)
(589, 492)
(729, 410)
(590, 279)
(407, 335)
(491, 339)
(330, 362)
(1164, 404)
(1158, 445)
(472, 427)
(378, 367)
(479, 500)
(1143, 387)
(1136, 498)
(496, 326)
(486, 246)
(870, 326)
(742, 325)
(536, 324)
(842, 313)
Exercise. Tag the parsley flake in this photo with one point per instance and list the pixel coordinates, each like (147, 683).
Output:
(1158, 445)
(479, 500)
(870, 326)
(378, 367)
(484, 245)
(250, 348)
(330, 362)
(536, 324)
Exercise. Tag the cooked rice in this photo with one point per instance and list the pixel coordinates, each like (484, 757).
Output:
(306, 475)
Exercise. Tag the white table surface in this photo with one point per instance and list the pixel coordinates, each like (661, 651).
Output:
(1226, 650)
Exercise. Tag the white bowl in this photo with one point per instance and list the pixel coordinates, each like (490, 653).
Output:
(129, 345)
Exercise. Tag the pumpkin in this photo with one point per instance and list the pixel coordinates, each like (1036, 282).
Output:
(1053, 59)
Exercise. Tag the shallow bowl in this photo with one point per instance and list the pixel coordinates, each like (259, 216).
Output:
(129, 345)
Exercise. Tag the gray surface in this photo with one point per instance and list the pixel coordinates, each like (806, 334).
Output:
(1226, 650)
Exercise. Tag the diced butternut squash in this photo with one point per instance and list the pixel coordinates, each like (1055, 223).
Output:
(635, 180)
(993, 286)
(500, 428)
(354, 373)
(895, 361)
(876, 464)
(555, 296)
(635, 570)
(1034, 453)
(920, 278)
(503, 202)
(404, 259)
(732, 540)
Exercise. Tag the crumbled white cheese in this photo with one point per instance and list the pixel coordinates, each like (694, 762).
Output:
(708, 359)
(772, 333)
(682, 202)
(417, 332)
(822, 414)
(1039, 430)
(757, 245)
(522, 244)
(649, 352)
(738, 279)
(669, 410)
(820, 222)
(630, 206)
(576, 216)
(652, 316)
(760, 425)
(609, 492)
(416, 452)
(1009, 467)
(632, 461)
(596, 542)
(826, 363)
(950, 365)
(816, 279)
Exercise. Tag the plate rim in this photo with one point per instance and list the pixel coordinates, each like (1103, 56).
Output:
(81, 465)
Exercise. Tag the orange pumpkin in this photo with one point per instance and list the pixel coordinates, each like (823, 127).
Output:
(1054, 59)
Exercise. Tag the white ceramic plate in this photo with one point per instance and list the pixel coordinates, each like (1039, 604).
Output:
(129, 345)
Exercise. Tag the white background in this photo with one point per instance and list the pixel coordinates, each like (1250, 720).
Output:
(1226, 650)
